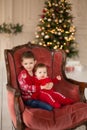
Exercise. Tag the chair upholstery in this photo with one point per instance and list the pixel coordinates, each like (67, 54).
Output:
(26, 118)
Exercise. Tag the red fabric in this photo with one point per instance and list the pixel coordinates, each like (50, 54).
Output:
(11, 107)
(55, 99)
(70, 116)
(58, 119)
(64, 87)
(13, 80)
(45, 81)
(38, 119)
(42, 81)
(26, 84)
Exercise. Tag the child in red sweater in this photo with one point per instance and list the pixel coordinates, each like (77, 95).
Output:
(26, 82)
(46, 91)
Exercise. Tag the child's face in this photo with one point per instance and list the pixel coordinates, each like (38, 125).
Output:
(41, 73)
(28, 64)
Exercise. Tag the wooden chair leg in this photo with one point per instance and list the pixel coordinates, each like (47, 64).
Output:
(86, 125)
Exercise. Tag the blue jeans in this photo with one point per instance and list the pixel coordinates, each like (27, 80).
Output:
(38, 104)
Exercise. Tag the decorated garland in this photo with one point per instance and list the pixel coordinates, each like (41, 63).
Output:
(11, 28)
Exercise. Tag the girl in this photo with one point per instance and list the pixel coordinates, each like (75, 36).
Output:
(46, 91)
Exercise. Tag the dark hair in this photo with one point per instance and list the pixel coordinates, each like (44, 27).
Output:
(27, 54)
(39, 65)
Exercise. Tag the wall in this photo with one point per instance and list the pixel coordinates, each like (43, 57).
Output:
(25, 12)
(79, 9)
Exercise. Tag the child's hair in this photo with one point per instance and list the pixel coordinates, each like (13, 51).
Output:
(27, 54)
(39, 65)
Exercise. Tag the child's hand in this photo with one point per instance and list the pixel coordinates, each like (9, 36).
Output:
(48, 86)
(58, 77)
(43, 87)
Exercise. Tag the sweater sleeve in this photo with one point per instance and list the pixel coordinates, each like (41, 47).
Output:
(25, 82)
(55, 80)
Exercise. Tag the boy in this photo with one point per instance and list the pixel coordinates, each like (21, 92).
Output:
(25, 79)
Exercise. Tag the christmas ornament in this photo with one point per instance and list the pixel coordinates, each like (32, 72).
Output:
(46, 37)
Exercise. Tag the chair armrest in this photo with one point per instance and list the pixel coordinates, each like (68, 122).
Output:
(82, 86)
(16, 93)
(19, 120)
(13, 90)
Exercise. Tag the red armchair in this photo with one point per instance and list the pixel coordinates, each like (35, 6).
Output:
(26, 118)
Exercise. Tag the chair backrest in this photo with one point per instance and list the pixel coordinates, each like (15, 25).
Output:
(54, 60)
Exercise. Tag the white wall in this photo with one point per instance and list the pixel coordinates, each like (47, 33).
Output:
(25, 12)
(79, 9)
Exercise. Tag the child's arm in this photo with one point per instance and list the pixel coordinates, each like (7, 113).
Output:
(58, 77)
(55, 80)
(47, 86)
(24, 83)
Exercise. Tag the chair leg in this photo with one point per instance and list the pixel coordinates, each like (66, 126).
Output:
(86, 125)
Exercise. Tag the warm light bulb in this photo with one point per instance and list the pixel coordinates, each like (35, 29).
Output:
(37, 36)
(55, 47)
(40, 43)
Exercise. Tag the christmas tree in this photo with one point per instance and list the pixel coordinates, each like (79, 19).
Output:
(55, 29)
